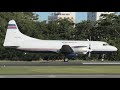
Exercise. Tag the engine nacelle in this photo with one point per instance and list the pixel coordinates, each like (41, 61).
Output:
(80, 50)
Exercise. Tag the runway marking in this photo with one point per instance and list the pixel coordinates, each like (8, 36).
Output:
(51, 76)
(101, 63)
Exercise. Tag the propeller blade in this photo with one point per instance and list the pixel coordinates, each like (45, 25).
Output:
(89, 49)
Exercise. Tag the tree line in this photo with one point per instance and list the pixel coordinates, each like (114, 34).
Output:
(106, 29)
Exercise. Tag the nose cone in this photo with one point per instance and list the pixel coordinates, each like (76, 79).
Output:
(115, 49)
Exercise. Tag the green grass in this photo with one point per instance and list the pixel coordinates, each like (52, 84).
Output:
(60, 70)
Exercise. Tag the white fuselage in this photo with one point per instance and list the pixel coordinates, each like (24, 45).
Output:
(79, 47)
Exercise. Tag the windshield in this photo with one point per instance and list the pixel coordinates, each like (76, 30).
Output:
(105, 44)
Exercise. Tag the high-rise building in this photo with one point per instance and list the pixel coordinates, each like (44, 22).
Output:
(94, 16)
(62, 15)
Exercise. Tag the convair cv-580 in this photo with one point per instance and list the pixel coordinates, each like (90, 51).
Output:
(15, 39)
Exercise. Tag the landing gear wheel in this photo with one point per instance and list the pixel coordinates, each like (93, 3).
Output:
(103, 56)
(65, 59)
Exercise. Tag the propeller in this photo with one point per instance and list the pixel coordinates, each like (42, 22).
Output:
(89, 49)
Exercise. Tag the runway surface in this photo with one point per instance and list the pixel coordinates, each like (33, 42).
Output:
(59, 76)
(58, 63)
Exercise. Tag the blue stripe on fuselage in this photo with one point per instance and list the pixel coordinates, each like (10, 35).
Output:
(11, 25)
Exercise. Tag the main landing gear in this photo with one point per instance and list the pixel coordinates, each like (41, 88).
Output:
(66, 59)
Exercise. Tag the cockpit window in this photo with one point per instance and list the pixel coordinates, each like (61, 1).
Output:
(105, 44)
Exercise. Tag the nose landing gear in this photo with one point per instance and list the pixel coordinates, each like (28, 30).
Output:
(103, 56)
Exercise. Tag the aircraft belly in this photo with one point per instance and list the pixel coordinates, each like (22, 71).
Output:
(38, 49)
(102, 50)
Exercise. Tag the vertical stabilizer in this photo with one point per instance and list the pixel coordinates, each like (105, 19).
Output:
(13, 35)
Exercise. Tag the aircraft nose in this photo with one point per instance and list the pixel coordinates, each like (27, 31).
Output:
(115, 49)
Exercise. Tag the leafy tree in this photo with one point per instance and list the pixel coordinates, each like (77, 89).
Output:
(83, 30)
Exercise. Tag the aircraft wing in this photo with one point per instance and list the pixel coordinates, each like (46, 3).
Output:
(66, 49)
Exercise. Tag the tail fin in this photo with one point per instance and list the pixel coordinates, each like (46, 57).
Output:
(13, 35)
